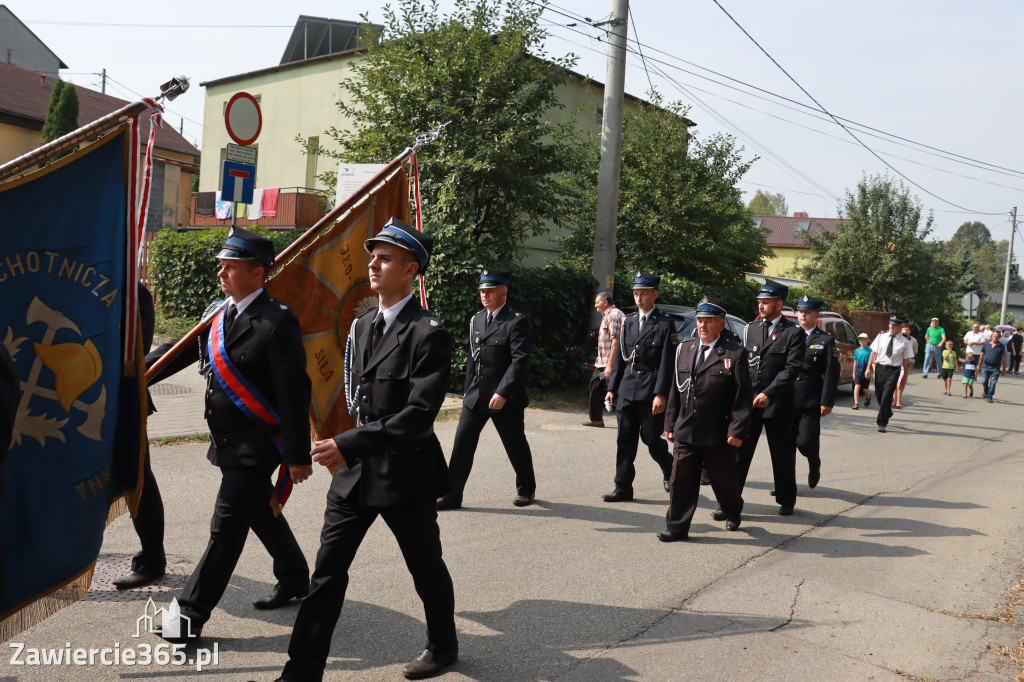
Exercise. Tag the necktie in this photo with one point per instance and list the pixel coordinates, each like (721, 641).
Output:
(765, 326)
(888, 349)
(700, 358)
(490, 316)
(229, 317)
(643, 318)
(378, 332)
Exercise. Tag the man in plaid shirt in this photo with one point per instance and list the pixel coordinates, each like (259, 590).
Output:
(607, 345)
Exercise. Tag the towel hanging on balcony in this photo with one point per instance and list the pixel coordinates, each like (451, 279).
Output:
(270, 202)
(255, 209)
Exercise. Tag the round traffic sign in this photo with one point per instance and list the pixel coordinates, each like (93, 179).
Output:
(243, 118)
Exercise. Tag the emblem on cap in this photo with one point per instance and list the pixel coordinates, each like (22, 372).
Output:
(806, 299)
(484, 272)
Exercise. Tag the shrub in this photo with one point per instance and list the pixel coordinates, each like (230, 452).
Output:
(184, 267)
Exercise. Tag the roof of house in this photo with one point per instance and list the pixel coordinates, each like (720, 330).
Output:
(7, 11)
(785, 231)
(1015, 300)
(318, 36)
(25, 96)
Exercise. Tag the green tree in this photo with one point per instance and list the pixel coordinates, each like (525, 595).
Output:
(680, 211)
(878, 257)
(61, 112)
(767, 203)
(972, 235)
(497, 172)
(980, 259)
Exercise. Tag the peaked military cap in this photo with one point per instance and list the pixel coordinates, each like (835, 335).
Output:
(406, 237)
(242, 244)
(711, 307)
(772, 289)
(645, 280)
(809, 303)
(491, 278)
(896, 319)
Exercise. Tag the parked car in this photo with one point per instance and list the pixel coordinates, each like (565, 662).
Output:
(686, 322)
(846, 340)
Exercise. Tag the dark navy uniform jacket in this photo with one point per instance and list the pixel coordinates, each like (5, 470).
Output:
(498, 359)
(265, 345)
(643, 365)
(393, 455)
(774, 365)
(708, 407)
(819, 374)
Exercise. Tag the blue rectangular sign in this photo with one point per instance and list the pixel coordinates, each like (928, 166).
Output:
(238, 182)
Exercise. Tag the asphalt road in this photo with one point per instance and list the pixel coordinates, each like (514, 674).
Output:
(896, 567)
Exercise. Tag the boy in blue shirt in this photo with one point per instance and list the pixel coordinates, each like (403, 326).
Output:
(860, 379)
(970, 367)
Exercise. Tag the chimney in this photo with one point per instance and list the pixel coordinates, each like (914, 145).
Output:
(799, 214)
(42, 79)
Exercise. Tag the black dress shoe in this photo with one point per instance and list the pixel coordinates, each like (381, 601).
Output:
(134, 579)
(665, 483)
(881, 429)
(429, 663)
(449, 502)
(785, 511)
(732, 524)
(704, 478)
(279, 597)
(618, 496)
(521, 500)
(813, 476)
(671, 537)
(772, 492)
(718, 515)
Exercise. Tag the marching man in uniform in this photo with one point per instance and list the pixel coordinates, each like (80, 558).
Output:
(707, 419)
(639, 385)
(500, 341)
(815, 387)
(890, 352)
(257, 407)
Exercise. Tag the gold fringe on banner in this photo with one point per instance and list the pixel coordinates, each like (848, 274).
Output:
(38, 609)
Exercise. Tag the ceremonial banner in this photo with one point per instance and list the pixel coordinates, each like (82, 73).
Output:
(327, 285)
(78, 442)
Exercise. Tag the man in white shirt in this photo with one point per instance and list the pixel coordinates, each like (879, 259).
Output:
(890, 352)
(974, 340)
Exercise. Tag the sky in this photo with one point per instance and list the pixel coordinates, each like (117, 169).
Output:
(936, 73)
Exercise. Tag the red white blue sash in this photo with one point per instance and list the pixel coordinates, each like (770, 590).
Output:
(249, 400)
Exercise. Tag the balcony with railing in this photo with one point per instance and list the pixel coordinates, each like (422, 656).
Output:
(297, 207)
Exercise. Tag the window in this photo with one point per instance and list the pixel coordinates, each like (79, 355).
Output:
(757, 223)
(311, 160)
(803, 226)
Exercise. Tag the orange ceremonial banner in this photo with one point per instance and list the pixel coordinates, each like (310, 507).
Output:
(327, 286)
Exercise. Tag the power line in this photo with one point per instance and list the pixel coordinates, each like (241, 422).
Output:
(107, 24)
(950, 156)
(849, 132)
(642, 60)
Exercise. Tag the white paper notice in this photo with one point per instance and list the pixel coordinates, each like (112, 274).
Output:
(352, 176)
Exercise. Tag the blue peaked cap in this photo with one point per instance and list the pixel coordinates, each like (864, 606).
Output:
(772, 289)
(809, 303)
(406, 237)
(490, 278)
(711, 307)
(242, 244)
(645, 280)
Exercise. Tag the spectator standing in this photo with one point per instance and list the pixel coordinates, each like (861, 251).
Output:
(890, 351)
(993, 364)
(974, 340)
(861, 356)
(607, 345)
(970, 371)
(950, 364)
(934, 340)
(1016, 343)
(904, 375)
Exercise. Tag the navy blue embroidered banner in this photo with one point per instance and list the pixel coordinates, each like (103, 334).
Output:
(79, 432)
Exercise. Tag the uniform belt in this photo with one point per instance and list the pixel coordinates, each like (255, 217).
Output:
(640, 367)
(223, 440)
(804, 376)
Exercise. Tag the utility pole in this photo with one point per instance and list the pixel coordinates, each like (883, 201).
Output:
(611, 152)
(103, 82)
(1009, 261)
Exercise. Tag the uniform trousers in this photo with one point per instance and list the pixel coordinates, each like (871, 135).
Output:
(637, 423)
(511, 427)
(243, 502)
(684, 486)
(783, 452)
(149, 525)
(598, 387)
(807, 432)
(1013, 363)
(886, 378)
(345, 524)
